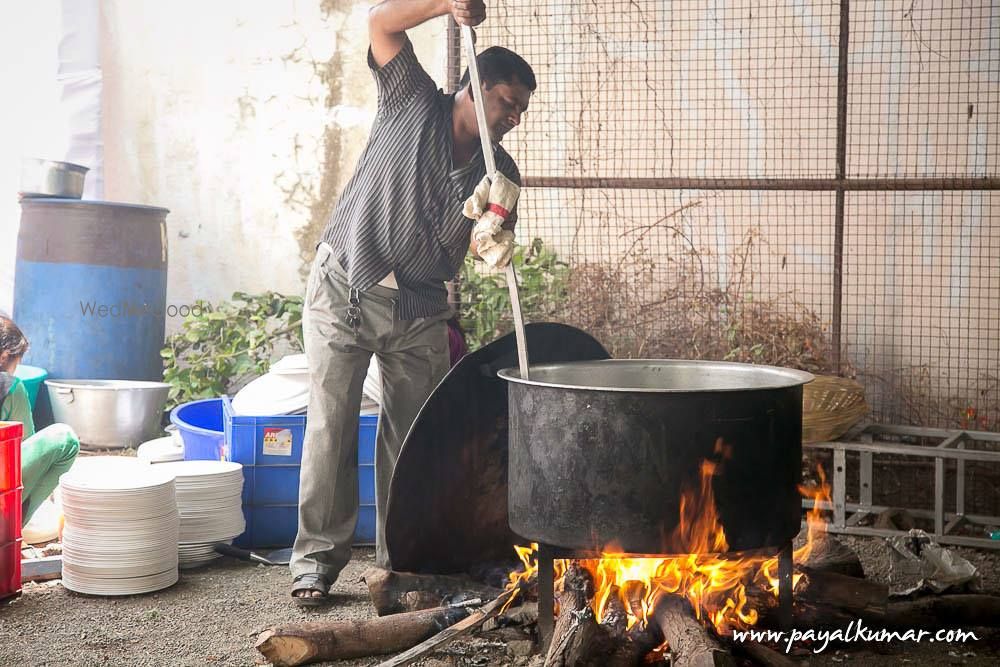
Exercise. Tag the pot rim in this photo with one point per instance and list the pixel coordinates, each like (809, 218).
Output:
(778, 377)
(54, 164)
(107, 385)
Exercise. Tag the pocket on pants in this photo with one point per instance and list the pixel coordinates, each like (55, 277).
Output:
(317, 273)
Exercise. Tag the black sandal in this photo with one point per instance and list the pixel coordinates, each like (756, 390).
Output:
(311, 581)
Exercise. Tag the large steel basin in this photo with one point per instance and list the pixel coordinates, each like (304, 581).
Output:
(109, 413)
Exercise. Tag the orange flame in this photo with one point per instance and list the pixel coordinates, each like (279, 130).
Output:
(714, 582)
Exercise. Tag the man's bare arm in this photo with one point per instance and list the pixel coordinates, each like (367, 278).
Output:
(388, 21)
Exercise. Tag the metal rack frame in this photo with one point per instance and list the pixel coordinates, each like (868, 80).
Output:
(952, 446)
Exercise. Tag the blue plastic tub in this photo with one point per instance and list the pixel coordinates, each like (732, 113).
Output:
(200, 426)
(270, 450)
(32, 377)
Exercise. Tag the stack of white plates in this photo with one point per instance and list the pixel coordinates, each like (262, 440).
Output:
(161, 450)
(209, 501)
(284, 389)
(121, 528)
(273, 394)
(292, 364)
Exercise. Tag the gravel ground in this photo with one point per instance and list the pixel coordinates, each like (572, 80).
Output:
(212, 617)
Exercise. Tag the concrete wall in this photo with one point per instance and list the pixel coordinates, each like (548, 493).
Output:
(243, 118)
(32, 121)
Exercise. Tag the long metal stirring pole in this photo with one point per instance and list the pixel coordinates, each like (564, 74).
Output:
(491, 168)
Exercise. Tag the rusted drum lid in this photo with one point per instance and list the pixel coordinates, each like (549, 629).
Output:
(448, 497)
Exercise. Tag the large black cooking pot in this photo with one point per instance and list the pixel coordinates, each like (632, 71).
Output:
(601, 451)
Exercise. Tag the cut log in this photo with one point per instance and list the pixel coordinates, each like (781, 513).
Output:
(824, 599)
(860, 598)
(580, 641)
(767, 657)
(645, 637)
(690, 643)
(940, 611)
(523, 614)
(615, 616)
(576, 630)
(634, 592)
(829, 554)
(630, 649)
(463, 627)
(397, 592)
(303, 643)
(627, 648)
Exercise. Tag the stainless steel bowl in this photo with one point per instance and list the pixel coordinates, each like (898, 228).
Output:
(109, 413)
(48, 178)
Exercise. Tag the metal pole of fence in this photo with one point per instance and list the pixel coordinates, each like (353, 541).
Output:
(838, 230)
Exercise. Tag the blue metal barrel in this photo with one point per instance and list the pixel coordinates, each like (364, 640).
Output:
(90, 288)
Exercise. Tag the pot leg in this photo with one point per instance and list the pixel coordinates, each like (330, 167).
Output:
(785, 566)
(546, 596)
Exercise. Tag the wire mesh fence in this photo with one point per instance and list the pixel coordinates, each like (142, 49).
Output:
(798, 183)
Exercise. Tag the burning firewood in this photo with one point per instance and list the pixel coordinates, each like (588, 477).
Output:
(631, 646)
(396, 592)
(690, 643)
(576, 629)
(304, 643)
(579, 640)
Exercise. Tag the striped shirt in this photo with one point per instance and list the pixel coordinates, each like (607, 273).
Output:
(402, 209)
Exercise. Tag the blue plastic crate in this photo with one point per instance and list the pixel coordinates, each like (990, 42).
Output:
(270, 450)
(366, 484)
(269, 526)
(262, 441)
(364, 532)
(275, 526)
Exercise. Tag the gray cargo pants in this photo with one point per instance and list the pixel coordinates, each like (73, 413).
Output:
(412, 357)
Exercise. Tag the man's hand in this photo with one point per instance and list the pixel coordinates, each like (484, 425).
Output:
(490, 205)
(468, 12)
(497, 250)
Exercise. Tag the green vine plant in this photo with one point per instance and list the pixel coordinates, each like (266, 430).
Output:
(485, 309)
(222, 345)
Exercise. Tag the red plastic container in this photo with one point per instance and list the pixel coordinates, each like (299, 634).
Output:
(10, 516)
(10, 455)
(10, 569)
(10, 508)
